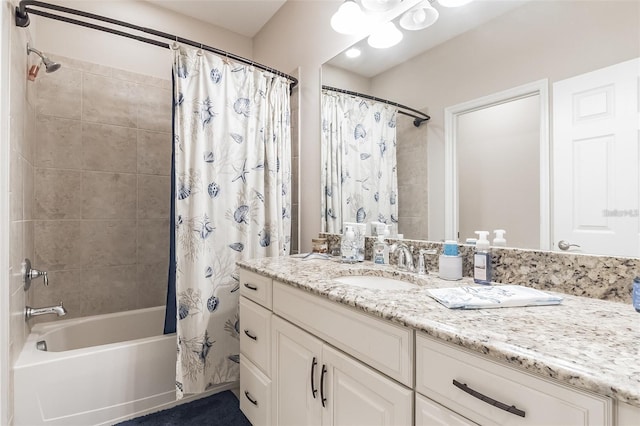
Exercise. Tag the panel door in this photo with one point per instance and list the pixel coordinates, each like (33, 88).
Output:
(357, 395)
(430, 413)
(295, 375)
(596, 161)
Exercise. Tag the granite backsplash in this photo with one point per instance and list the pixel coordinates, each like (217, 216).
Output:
(599, 277)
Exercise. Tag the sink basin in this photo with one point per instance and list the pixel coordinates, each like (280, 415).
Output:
(374, 282)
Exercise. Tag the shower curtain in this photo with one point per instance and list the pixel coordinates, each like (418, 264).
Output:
(359, 178)
(232, 171)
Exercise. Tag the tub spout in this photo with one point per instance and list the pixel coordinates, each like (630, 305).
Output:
(34, 312)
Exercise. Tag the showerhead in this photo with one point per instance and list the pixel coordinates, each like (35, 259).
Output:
(49, 65)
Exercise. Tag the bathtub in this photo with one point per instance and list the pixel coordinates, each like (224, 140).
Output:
(96, 370)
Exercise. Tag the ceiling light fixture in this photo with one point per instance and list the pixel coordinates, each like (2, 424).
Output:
(379, 5)
(349, 19)
(419, 17)
(453, 3)
(386, 36)
(354, 52)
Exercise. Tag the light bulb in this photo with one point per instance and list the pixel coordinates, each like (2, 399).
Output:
(349, 19)
(419, 16)
(379, 5)
(388, 35)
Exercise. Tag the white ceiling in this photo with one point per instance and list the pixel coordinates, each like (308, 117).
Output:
(245, 17)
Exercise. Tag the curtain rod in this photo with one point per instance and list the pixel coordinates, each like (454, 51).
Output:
(418, 119)
(22, 20)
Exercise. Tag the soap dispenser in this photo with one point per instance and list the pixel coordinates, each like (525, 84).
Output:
(499, 240)
(381, 251)
(347, 245)
(482, 259)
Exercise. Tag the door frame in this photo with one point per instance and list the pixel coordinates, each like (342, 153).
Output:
(451, 114)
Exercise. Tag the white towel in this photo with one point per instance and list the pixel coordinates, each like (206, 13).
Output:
(498, 296)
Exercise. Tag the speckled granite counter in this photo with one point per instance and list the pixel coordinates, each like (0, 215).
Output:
(588, 343)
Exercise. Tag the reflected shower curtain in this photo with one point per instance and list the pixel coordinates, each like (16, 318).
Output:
(232, 158)
(359, 178)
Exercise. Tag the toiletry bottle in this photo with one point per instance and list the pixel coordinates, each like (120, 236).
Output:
(347, 245)
(636, 294)
(499, 240)
(482, 259)
(381, 251)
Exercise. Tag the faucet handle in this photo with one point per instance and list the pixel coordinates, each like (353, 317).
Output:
(422, 268)
(36, 273)
(28, 274)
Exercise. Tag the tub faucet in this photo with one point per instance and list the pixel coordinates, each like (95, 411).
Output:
(34, 312)
(405, 256)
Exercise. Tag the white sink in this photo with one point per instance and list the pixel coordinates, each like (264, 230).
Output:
(374, 282)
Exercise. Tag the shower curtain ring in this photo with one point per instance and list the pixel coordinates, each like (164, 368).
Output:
(175, 45)
(199, 52)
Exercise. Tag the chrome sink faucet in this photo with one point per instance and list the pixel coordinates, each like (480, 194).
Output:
(405, 256)
(30, 312)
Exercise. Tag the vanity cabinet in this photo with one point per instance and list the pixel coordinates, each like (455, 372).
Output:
(314, 384)
(255, 347)
(490, 393)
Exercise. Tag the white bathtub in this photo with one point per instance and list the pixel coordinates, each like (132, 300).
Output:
(96, 370)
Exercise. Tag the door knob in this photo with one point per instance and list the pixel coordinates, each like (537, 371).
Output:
(565, 245)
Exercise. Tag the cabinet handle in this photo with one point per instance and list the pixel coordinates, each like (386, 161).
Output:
(322, 398)
(508, 408)
(251, 400)
(249, 335)
(251, 286)
(314, 391)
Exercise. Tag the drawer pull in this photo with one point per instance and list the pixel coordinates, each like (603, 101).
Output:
(251, 286)
(314, 391)
(322, 398)
(249, 335)
(251, 400)
(508, 408)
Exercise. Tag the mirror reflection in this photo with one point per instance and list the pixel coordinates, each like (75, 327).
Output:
(510, 45)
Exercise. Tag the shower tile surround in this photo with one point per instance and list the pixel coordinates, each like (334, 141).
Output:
(598, 277)
(102, 181)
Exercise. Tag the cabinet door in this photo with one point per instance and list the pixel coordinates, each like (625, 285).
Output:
(358, 395)
(431, 413)
(295, 373)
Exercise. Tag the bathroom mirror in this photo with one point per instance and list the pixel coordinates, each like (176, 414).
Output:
(481, 49)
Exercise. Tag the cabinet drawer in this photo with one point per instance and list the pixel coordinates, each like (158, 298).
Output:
(255, 287)
(255, 334)
(255, 393)
(541, 401)
(384, 346)
(431, 413)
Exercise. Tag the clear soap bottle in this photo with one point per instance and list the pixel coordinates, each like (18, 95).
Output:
(348, 245)
(482, 259)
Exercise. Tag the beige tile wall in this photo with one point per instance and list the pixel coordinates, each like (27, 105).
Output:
(102, 163)
(21, 187)
(411, 159)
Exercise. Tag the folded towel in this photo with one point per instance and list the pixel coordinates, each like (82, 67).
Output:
(498, 296)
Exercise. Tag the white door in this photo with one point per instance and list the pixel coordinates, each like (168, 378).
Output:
(595, 157)
(295, 375)
(358, 395)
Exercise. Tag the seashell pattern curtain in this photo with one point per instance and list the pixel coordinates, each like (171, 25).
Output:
(358, 155)
(232, 162)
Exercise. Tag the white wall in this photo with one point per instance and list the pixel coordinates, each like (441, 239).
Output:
(94, 46)
(542, 39)
(342, 79)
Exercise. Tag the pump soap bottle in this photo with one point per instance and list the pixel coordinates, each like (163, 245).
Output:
(348, 245)
(482, 259)
(499, 240)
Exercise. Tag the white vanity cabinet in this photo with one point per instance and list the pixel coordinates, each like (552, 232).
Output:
(490, 393)
(314, 384)
(255, 347)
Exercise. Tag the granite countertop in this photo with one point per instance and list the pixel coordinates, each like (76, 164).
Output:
(588, 343)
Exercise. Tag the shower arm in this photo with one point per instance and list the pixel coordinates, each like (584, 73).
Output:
(22, 20)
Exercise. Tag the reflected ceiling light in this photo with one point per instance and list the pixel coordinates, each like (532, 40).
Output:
(349, 19)
(454, 3)
(386, 36)
(419, 17)
(354, 52)
(379, 5)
